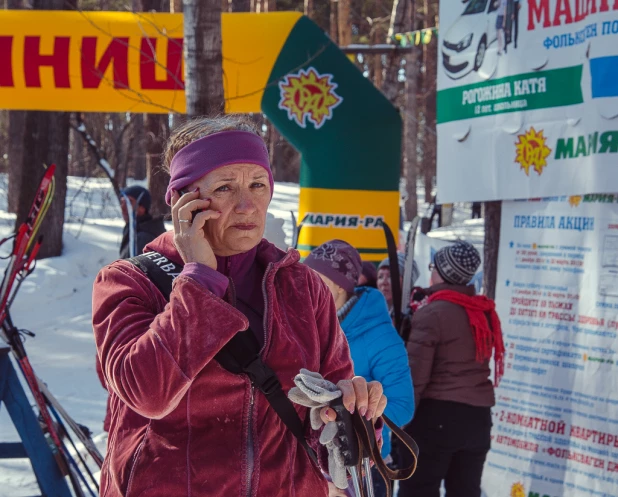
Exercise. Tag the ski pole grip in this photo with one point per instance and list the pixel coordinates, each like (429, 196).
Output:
(346, 433)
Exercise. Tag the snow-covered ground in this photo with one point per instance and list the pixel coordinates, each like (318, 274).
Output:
(55, 303)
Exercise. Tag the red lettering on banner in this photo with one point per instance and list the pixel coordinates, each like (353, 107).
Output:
(581, 10)
(6, 65)
(116, 53)
(563, 8)
(591, 6)
(173, 66)
(34, 60)
(540, 10)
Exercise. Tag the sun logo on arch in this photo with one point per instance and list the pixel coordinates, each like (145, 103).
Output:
(309, 96)
(532, 151)
(518, 490)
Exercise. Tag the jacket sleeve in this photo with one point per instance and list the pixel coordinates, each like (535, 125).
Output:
(150, 358)
(388, 364)
(422, 343)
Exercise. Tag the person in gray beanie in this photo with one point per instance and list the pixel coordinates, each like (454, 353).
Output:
(454, 334)
(147, 227)
(384, 277)
(456, 264)
(377, 351)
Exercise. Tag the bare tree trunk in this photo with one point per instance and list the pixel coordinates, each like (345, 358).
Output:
(309, 8)
(334, 23)
(410, 123)
(377, 36)
(401, 18)
(154, 6)
(273, 148)
(431, 56)
(45, 141)
(176, 6)
(241, 5)
(122, 145)
(203, 61)
(345, 22)
(157, 131)
(17, 119)
(137, 169)
(493, 215)
(4, 140)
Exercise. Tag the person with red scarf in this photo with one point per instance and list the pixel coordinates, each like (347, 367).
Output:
(454, 334)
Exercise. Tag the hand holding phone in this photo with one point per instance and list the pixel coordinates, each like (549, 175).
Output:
(195, 212)
(190, 214)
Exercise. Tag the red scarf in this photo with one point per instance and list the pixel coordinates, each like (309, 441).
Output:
(485, 325)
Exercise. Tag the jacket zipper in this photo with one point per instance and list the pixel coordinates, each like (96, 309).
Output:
(265, 319)
(250, 450)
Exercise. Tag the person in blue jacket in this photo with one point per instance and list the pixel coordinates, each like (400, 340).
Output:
(378, 352)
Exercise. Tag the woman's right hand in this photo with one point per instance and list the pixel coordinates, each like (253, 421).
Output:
(189, 236)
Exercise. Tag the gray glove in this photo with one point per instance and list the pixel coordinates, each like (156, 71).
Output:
(314, 392)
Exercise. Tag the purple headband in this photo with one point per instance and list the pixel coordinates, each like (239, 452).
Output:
(213, 151)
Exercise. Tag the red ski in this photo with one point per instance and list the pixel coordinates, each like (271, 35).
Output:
(20, 262)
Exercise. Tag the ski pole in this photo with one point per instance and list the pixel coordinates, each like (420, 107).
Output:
(347, 436)
(366, 456)
(66, 434)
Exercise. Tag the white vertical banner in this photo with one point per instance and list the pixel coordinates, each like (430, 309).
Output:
(556, 417)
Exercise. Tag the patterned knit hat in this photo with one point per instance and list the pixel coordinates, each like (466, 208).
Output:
(457, 263)
(338, 261)
(401, 262)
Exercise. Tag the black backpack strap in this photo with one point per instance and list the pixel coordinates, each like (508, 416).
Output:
(159, 269)
(240, 355)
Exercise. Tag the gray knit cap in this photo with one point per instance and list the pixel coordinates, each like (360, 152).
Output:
(457, 263)
(401, 262)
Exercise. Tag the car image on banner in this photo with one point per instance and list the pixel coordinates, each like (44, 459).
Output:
(466, 41)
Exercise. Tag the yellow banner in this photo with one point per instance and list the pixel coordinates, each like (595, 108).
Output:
(127, 62)
(355, 216)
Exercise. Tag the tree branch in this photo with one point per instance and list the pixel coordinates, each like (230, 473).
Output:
(79, 126)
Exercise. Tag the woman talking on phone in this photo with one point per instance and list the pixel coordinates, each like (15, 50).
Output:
(182, 424)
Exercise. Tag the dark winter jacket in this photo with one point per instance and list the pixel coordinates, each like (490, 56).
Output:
(181, 425)
(147, 229)
(379, 354)
(442, 354)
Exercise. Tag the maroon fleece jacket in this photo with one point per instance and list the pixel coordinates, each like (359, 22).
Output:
(180, 424)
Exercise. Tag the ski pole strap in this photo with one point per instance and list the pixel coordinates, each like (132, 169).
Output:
(368, 447)
(240, 355)
(393, 263)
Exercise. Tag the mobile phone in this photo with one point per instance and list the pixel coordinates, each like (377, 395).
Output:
(194, 213)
